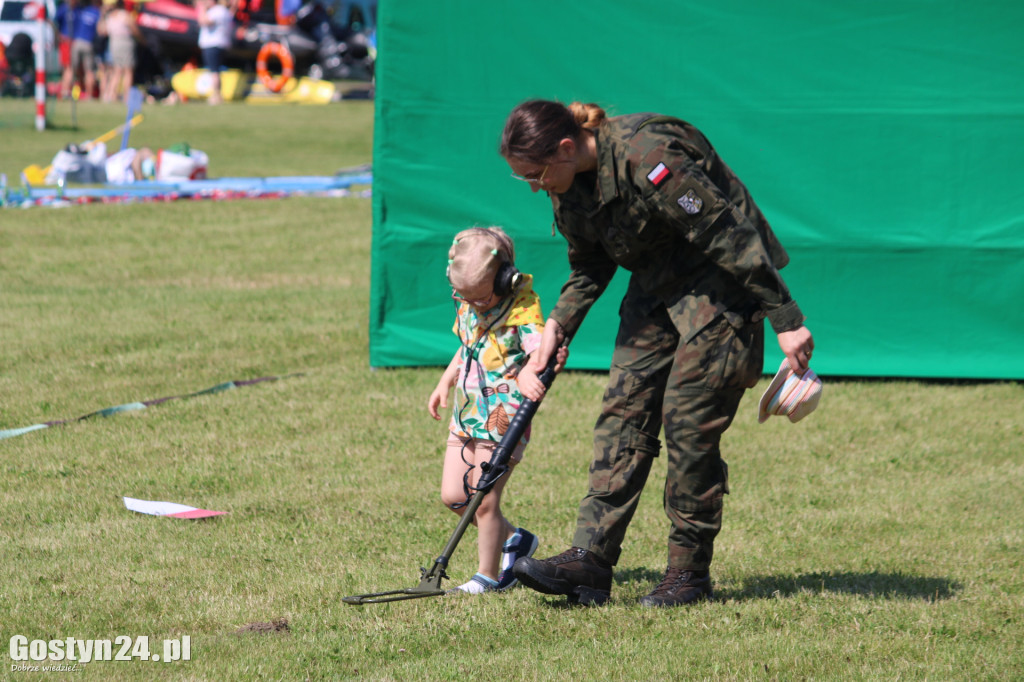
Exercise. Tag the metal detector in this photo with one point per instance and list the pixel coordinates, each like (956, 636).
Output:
(494, 469)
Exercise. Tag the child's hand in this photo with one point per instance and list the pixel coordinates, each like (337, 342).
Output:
(440, 395)
(530, 384)
(438, 398)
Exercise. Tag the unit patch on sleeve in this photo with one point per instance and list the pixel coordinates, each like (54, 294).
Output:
(690, 202)
(658, 175)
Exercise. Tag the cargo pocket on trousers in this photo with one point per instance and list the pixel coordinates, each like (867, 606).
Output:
(737, 357)
(624, 428)
(710, 500)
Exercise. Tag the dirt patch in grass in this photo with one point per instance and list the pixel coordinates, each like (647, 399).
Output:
(279, 625)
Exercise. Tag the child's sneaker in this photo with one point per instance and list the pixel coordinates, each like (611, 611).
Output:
(523, 543)
(478, 584)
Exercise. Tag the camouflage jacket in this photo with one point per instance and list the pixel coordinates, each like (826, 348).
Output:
(663, 205)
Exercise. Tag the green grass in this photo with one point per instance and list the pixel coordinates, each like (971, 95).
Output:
(242, 140)
(881, 538)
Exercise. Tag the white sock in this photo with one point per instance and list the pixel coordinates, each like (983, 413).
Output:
(478, 585)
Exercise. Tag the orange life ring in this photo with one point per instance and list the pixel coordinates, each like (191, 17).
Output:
(279, 50)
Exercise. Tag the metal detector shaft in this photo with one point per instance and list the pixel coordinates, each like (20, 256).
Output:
(495, 468)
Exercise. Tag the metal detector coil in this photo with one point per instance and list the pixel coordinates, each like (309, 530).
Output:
(493, 469)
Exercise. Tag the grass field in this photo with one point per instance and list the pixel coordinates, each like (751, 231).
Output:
(880, 539)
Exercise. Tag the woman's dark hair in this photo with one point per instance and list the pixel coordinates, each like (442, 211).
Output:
(534, 128)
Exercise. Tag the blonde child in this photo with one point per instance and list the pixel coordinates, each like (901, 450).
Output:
(499, 323)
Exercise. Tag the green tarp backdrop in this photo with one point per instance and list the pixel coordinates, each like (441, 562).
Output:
(882, 139)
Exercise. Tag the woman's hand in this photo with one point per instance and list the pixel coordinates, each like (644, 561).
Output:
(552, 338)
(797, 345)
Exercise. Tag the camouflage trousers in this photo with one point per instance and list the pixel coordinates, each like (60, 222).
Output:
(691, 388)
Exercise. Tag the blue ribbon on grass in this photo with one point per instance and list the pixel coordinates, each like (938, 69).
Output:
(132, 407)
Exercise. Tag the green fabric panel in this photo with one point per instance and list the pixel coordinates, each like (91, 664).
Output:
(881, 139)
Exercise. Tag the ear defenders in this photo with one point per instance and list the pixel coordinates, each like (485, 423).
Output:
(507, 279)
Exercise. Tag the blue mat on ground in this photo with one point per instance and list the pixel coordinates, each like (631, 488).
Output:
(254, 186)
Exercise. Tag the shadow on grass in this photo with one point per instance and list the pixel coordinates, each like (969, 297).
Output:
(62, 127)
(638, 575)
(873, 585)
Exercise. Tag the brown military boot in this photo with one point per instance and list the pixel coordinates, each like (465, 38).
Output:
(577, 573)
(679, 587)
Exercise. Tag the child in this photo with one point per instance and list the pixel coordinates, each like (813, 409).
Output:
(499, 323)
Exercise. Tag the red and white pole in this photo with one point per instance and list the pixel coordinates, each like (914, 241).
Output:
(40, 54)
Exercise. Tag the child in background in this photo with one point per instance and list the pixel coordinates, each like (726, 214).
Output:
(499, 323)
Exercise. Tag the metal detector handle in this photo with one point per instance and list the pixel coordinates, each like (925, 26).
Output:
(547, 377)
(524, 415)
(495, 468)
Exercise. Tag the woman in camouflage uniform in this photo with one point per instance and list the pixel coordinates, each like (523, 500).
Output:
(650, 194)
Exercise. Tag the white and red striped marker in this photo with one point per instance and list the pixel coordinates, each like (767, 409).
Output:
(39, 51)
(178, 511)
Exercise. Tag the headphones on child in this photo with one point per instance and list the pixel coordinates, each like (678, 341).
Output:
(507, 279)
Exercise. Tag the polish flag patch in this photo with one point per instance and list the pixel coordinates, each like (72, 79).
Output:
(658, 175)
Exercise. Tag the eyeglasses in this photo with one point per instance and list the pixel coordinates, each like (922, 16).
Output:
(539, 180)
(456, 296)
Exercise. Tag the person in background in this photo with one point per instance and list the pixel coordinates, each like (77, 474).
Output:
(85, 20)
(122, 31)
(216, 29)
(64, 25)
(101, 50)
(130, 165)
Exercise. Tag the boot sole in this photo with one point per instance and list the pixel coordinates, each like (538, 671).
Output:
(586, 596)
(651, 603)
(577, 594)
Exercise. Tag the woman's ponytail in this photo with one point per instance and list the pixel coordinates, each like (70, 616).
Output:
(534, 129)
